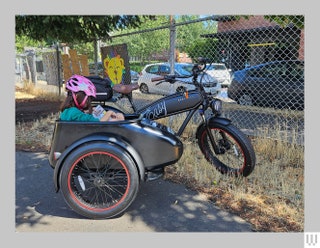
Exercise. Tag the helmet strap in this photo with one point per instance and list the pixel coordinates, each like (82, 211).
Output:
(82, 104)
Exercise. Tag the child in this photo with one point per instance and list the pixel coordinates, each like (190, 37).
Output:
(77, 105)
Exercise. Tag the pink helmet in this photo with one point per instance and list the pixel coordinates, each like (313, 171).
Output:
(78, 83)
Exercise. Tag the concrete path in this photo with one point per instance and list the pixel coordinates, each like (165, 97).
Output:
(161, 206)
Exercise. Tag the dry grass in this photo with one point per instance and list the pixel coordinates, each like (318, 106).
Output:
(271, 198)
(29, 91)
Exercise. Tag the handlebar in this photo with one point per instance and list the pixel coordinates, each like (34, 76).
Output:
(170, 78)
(196, 70)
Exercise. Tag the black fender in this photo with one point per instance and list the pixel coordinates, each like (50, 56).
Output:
(221, 120)
(108, 138)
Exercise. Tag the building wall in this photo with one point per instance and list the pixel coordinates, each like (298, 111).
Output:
(256, 21)
(242, 24)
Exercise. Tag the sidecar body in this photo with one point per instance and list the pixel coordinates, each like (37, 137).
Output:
(151, 145)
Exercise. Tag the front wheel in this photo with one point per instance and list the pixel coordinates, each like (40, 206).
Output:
(99, 180)
(234, 152)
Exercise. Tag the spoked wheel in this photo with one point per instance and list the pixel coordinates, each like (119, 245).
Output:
(235, 154)
(99, 180)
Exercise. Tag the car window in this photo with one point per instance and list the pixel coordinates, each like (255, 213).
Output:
(183, 70)
(152, 69)
(163, 69)
(268, 71)
(220, 67)
(256, 72)
(187, 68)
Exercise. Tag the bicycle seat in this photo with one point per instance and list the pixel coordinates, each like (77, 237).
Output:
(125, 88)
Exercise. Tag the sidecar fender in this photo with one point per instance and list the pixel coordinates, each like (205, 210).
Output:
(108, 138)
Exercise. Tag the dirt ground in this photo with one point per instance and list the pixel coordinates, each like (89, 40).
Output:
(30, 109)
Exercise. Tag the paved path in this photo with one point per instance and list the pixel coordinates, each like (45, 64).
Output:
(160, 206)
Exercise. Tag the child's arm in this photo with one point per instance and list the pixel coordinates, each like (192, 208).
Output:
(112, 116)
(107, 116)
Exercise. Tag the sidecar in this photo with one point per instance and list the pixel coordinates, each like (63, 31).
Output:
(99, 165)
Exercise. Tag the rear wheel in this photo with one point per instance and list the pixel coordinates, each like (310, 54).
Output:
(99, 180)
(181, 89)
(246, 99)
(235, 155)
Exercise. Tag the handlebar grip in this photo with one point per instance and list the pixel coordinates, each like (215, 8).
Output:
(157, 79)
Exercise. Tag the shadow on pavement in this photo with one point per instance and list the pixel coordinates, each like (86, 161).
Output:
(161, 206)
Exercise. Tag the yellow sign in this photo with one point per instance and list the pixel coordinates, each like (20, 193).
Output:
(262, 44)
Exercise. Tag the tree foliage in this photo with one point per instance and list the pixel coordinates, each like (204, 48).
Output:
(284, 20)
(74, 28)
(149, 40)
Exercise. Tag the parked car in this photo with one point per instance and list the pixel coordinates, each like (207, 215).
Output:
(211, 84)
(92, 68)
(278, 84)
(134, 74)
(220, 72)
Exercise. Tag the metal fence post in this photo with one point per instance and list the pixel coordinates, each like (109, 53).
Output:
(58, 66)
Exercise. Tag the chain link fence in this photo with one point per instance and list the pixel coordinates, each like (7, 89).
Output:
(258, 61)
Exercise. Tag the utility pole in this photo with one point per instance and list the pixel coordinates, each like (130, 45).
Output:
(172, 46)
(172, 55)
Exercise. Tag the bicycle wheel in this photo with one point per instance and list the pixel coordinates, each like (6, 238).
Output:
(235, 155)
(99, 180)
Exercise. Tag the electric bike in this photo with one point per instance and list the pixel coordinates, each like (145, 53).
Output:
(99, 166)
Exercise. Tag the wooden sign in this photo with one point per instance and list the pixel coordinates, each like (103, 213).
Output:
(115, 62)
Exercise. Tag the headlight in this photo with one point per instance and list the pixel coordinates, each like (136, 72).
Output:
(216, 106)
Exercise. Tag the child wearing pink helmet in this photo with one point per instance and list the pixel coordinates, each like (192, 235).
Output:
(77, 105)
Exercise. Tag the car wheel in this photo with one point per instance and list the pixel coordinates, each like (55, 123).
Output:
(181, 89)
(246, 99)
(144, 88)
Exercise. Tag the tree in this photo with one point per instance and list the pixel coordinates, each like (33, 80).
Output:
(75, 28)
(284, 20)
(188, 34)
(149, 39)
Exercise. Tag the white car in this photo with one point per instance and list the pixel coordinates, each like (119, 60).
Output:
(210, 84)
(220, 72)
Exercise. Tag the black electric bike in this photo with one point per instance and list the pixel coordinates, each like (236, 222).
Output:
(99, 165)
(225, 146)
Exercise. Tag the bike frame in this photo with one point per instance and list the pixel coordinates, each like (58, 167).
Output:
(180, 103)
(174, 104)
(177, 103)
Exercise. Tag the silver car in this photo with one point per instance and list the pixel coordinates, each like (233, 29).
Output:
(211, 85)
(220, 72)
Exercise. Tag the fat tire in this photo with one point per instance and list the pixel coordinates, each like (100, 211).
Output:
(99, 180)
(242, 150)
